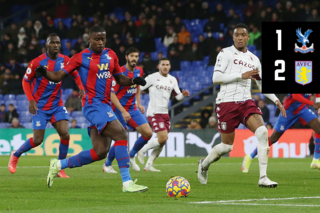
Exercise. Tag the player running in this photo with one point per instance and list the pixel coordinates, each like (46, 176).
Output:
(45, 103)
(97, 65)
(161, 85)
(128, 111)
(296, 106)
(234, 69)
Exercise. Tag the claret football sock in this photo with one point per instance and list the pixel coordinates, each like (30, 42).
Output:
(83, 158)
(25, 147)
(63, 149)
(316, 154)
(111, 156)
(140, 142)
(122, 156)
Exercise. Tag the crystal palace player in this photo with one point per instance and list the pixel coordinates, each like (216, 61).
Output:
(128, 112)
(96, 66)
(233, 70)
(296, 106)
(45, 102)
(161, 85)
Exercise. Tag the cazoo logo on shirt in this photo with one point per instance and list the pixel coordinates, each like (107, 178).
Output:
(103, 75)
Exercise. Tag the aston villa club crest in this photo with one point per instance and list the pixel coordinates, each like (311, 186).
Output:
(303, 72)
(303, 38)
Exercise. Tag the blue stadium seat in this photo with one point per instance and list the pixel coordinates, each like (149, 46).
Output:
(134, 19)
(1, 97)
(4, 125)
(90, 19)
(210, 68)
(215, 35)
(183, 79)
(24, 113)
(196, 22)
(24, 103)
(42, 42)
(27, 125)
(9, 97)
(67, 92)
(14, 102)
(56, 22)
(257, 53)
(26, 119)
(154, 56)
(80, 119)
(77, 114)
(67, 22)
(193, 79)
(73, 42)
(64, 97)
(49, 125)
(64, 43)
(221, 26)
(185, 64)
(158, 42)
(184, 84)
(84, 125)
(206, 60)
(251, 48)
(146, 97)
(187, 103)
(195, 39)
(204, 22)
(21, 97)
(197, 63)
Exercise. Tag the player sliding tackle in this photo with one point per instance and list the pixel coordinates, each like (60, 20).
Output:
(296, 106)
(128, 112)
(161, 85)
(234, 69)
(96, 66)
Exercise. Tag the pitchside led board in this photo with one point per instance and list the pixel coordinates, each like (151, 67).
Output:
(291, 57)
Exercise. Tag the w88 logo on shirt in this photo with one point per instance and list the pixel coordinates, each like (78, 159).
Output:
(103, 75)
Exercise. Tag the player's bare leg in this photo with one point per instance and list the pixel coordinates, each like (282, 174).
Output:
(256, 124)
(62, 127)
(315, 125)
(275, 136)
(146, 132)
(156, 144)
(38, 136)
(219, 150)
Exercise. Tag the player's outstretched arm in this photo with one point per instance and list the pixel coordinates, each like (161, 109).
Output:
(223, 78)
(51, 76)
(125, 81)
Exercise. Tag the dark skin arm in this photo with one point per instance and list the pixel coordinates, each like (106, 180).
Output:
(123, 80)
(56, 76)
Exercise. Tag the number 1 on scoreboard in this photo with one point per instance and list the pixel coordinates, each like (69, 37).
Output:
(279, 39)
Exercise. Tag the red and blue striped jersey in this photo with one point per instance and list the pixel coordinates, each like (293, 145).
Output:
(46, 93)
(293, 105)
(127, 94)
(96, 71)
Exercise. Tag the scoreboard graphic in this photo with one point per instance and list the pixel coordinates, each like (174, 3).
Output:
(290, 57)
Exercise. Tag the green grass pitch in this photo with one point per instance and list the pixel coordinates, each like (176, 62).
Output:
(228, 189)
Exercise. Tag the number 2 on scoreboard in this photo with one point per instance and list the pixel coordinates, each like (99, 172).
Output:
(281, 70)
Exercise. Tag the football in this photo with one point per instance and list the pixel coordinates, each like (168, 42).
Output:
(178, 187)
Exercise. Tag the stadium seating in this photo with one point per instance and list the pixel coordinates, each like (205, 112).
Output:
(77, 114)
(9, 97)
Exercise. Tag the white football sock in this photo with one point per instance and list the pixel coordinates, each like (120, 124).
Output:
(126, 184)
(216, 154)
(150, 145)
(263, 149)
(154, 154)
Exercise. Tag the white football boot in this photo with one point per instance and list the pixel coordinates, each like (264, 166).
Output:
(151, 169)
(108, 169)
(202, 173)
(141, 157)
(267, 183)
(134, 165)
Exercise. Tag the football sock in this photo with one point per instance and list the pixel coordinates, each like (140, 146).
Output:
(111, 156)
(150, 145)
(255, 151)
(154, 154)
(263, 149)
(25, 147)
(140, 142)
(83, 158)
(122, 156)
(63, 149)
(216, 154)
(316, 153)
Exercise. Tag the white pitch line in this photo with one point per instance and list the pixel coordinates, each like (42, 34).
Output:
(250, 200)
(258, 204)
